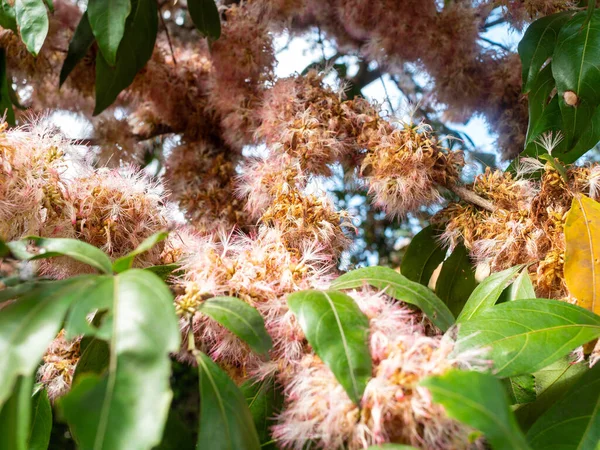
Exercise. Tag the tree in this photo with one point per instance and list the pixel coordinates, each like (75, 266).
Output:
(206, 304)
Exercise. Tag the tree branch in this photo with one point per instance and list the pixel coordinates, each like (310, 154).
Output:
(471, 197)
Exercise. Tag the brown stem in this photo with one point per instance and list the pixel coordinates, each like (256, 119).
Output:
(471, 197)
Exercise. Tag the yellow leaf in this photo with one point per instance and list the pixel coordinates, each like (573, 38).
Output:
(582, 255)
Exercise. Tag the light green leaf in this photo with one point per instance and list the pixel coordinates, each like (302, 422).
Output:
(422, 256)
(478, 400)
(487, 293)
(521, 288)
(7, 16)
(537, 45)
(456, 280)
(225, 420)
(73, 248)
(551, 383)
(264, 400)
(524, 336)
(33, 22)
(134, 52)
(521, 389)
(401, 288)
(29, 325)
(107, 20)
(15, 416)
(125, 408)
(205, 16)
(125, 262)
(338, 332)
(5, 101)
(241, 319)
(41, 421)
(80, 44)
(574, 421)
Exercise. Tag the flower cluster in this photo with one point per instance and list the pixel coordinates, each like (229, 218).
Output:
(526, 226)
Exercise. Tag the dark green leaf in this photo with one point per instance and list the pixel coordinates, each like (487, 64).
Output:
(125, 262)
(14, 292)
(5, 102)
(33, 22)
(575, 69)
(80, 44)
(487, 294)
(521, 288)
(4, 250)
(73, 248)
(225, 420)
(107, 20)
(401, 288)
(29, 325)
(177, 435)
(41, 421)
(241, 319)
(478, 400)
(456, 280)
(95, 359)
(422, 256)
(538, 43)
(164, 271)
(205, 16)
(574, 421)
(134, 52)
(338, 332)
(524, 336)
(521, 389)
(264, 400)
(551, 384)
(391, 447)
(7, 16)
(129, 402)
(15, 416)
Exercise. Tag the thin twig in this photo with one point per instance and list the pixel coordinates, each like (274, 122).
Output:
(162, 20)
(493, 23)
(471, 197)
(497, 44)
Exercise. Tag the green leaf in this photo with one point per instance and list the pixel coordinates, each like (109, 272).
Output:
(225, 420)
(29, 325)
(552, 382)
(338, 332)
(8, 19)
(14, 292)
(241, 319)
(15, 416)
(164, 271)
(527, 335)
(574, 421)
(456, 280)
(521, 389)
(575, 69)
(125, 262)
(41, 421)
(129, 402)
(94, 359)
(264, 400)
(521, 288)
(537, 45)
(422, 256)
(205, 16)
(487, 293)
(177, 435)
(478, 400)
(33, 22)
(107, 20)
(73, 248)
(134, 52)
(80, 44)
(401, 288)
(5, 101)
